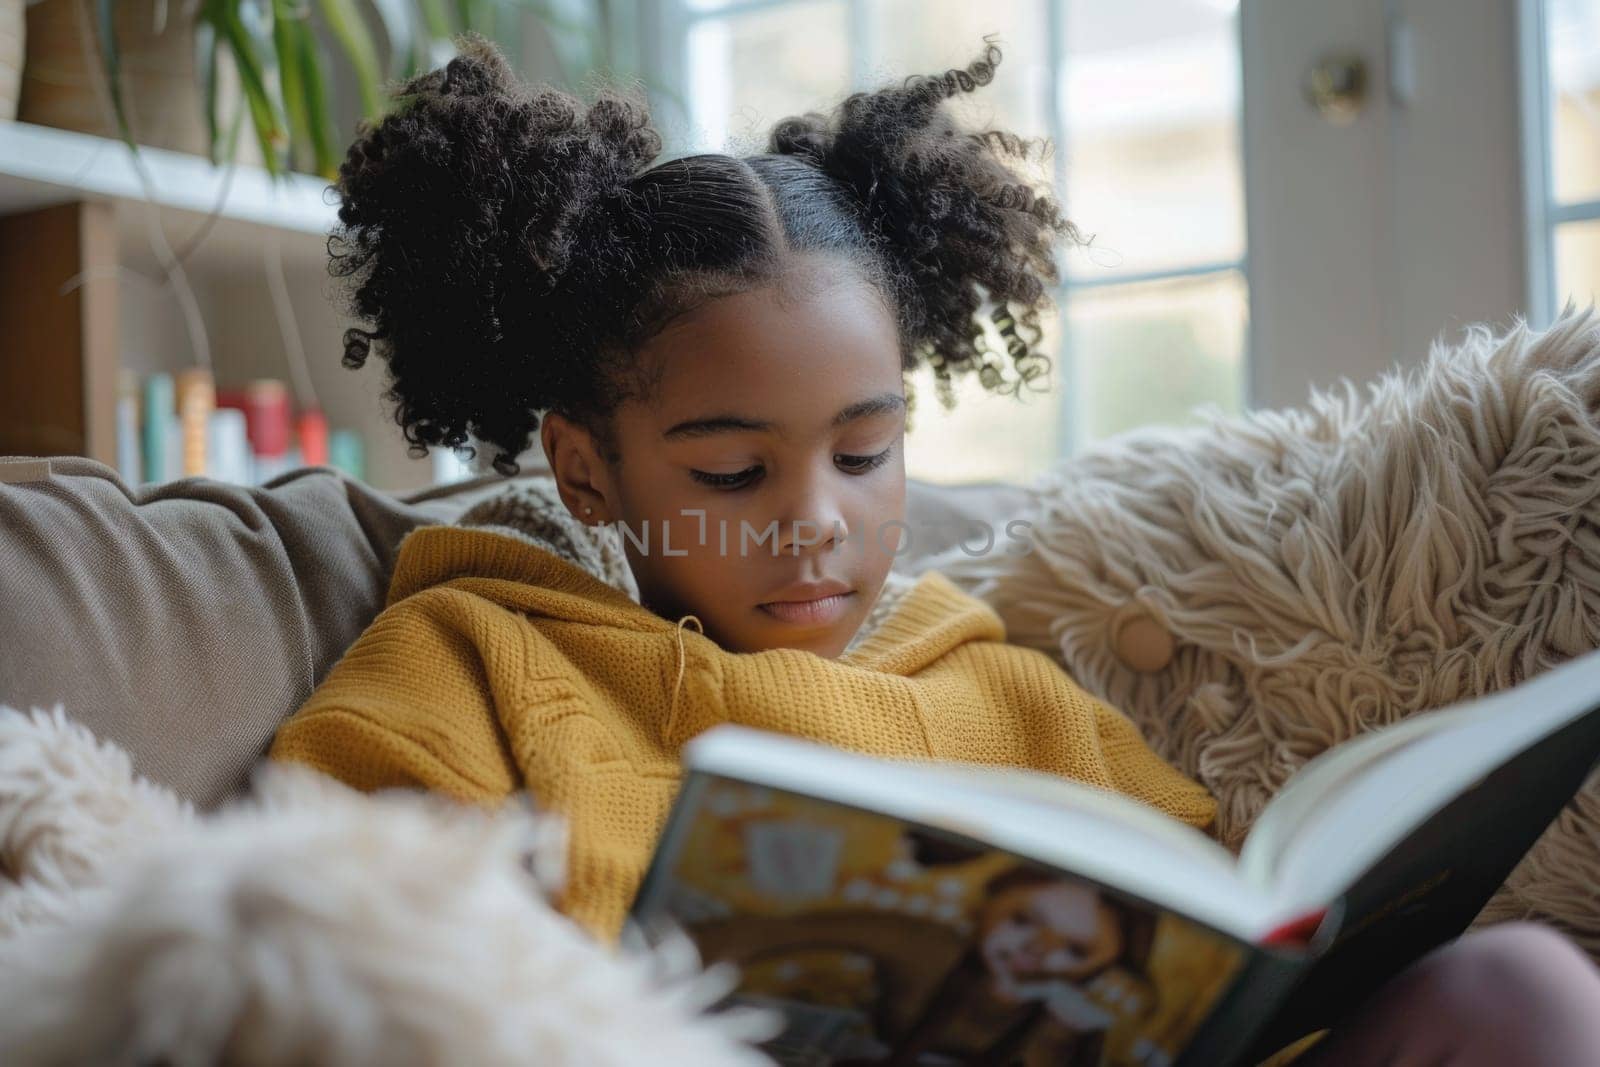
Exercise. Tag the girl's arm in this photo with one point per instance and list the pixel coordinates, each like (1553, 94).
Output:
(407, 706)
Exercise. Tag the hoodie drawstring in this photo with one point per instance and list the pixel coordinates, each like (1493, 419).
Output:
(672, 709)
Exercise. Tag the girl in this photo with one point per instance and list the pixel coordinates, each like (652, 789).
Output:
(718, 349)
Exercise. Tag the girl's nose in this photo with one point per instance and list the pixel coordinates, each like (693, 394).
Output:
(801, 535)
(814, 522)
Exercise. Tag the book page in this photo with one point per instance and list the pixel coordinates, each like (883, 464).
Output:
(1357, 806)
(1286, 818)
(884, 941)
(1429, 886)
(1106, 837)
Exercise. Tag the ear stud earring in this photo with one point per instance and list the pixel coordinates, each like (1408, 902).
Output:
(587, 510)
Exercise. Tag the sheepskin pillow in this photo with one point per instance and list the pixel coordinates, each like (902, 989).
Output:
(1299, 577)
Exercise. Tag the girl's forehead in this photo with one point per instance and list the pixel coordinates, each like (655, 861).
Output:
(782, 349)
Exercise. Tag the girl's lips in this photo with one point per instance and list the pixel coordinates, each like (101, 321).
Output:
(822, 611)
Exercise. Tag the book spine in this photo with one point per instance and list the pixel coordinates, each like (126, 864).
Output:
(271, 428)
(174, 451)
(312, 430)
(1237, 1023)
(130, 448)
(158, 410)
(228, 447)
(347, 453)
(197, 399)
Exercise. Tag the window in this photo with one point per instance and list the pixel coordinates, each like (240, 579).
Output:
(1141, 101)
(1562, 53)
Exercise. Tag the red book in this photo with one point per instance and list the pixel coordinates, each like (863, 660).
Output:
(313, 433)
(265, 403)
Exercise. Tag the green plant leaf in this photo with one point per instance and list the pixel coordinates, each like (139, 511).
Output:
(305, 93)
(434, 18)
(581, 43)
(205, 68)
(250, 63)
(319, 110)
(288, 26)
(223, 147)
(255, 16)
(111, 55)
(399, 26)
(351, 31)
(548, 15)
(438, 46)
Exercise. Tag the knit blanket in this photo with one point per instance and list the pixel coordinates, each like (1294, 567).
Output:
(1324, 571)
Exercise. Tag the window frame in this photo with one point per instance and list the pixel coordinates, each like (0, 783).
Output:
(1544, 214)
(675, 19)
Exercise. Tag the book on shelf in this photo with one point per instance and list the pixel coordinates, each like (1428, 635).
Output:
(913, 912)
(171, 427)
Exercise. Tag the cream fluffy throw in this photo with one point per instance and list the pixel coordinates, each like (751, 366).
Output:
(306, 925)
(1327, 570)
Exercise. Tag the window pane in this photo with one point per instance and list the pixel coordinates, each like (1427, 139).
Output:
(1578, 263)
(1151, 98)
(748, 71)
(923, 36)
(1151, 353)
(1572, 29)
(986, 436)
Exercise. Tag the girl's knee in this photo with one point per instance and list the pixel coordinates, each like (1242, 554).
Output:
(1525, 953)
(1516, 969)
(1517, 993)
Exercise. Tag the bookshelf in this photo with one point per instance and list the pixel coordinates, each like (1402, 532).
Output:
(41, 166)
(83, 297)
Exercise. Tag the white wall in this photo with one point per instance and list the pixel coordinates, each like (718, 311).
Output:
(1370, 240)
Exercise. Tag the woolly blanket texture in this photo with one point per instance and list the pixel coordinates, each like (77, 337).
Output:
(309, 924)
(1329, 570)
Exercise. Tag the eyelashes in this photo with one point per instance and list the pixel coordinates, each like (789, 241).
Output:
(849, 464)
(861, 464)
(736, 480)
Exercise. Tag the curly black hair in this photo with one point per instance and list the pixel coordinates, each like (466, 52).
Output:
(511, 248)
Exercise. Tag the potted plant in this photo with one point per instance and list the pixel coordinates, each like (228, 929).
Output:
(190, 74)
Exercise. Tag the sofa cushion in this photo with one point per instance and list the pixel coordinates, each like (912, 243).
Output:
(184, 621)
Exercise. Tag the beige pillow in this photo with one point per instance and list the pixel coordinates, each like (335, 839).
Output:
(184, 621)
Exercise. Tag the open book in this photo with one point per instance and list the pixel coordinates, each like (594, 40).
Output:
(914, 912)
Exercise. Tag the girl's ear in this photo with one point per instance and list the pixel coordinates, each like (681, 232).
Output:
(579, 468)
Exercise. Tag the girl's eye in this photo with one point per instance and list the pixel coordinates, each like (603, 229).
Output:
(736, 480)
(861, 464)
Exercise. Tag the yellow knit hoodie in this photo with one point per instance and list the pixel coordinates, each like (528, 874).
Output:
(496, 665)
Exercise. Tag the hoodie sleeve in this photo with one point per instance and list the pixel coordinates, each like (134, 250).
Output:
(409, 705)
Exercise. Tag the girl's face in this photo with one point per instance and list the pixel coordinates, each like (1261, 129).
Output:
(1051, 931)
(761, 480)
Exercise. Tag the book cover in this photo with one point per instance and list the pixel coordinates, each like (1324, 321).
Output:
(916, 911)
(882, 941)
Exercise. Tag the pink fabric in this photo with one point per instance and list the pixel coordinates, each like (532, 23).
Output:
(1513, 994)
